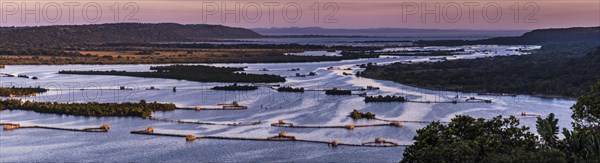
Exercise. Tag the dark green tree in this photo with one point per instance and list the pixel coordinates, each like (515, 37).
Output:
(548, 130)
(583, 143)
(466, 139)
(586, 112)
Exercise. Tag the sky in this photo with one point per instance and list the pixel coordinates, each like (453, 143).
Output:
(350, 14)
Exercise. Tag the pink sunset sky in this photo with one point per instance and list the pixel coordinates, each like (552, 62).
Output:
(430, 14)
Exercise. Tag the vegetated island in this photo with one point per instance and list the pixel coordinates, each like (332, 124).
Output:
(562, 68)
(17, 92)
(355, 114)
(235, 87)
(336, 91)
(290, 89)
(140, 109)
(387, 98)
(199, 73)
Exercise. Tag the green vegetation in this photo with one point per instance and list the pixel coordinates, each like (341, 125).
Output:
(235, 87)
(466, 139)
(586, 112)
(387, 98)
(360, 115)
(336, 91)
(7, 92)
(290, 89)
(141, 109)
(197, 73)
(555, 70)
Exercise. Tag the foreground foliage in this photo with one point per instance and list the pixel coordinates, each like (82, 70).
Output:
(466, 139)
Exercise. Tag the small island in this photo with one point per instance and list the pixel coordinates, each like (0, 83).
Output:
(387, 98)
(199, 73)
(235, 87)
(18, 92)
(360, 115)
(336, 91)
(290, 89)
(140, 109)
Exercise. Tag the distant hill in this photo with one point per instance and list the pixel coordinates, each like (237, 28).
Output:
(387, 32)
(539, 37)
(62, 35)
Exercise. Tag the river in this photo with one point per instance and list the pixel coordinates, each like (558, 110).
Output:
(265, 104)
